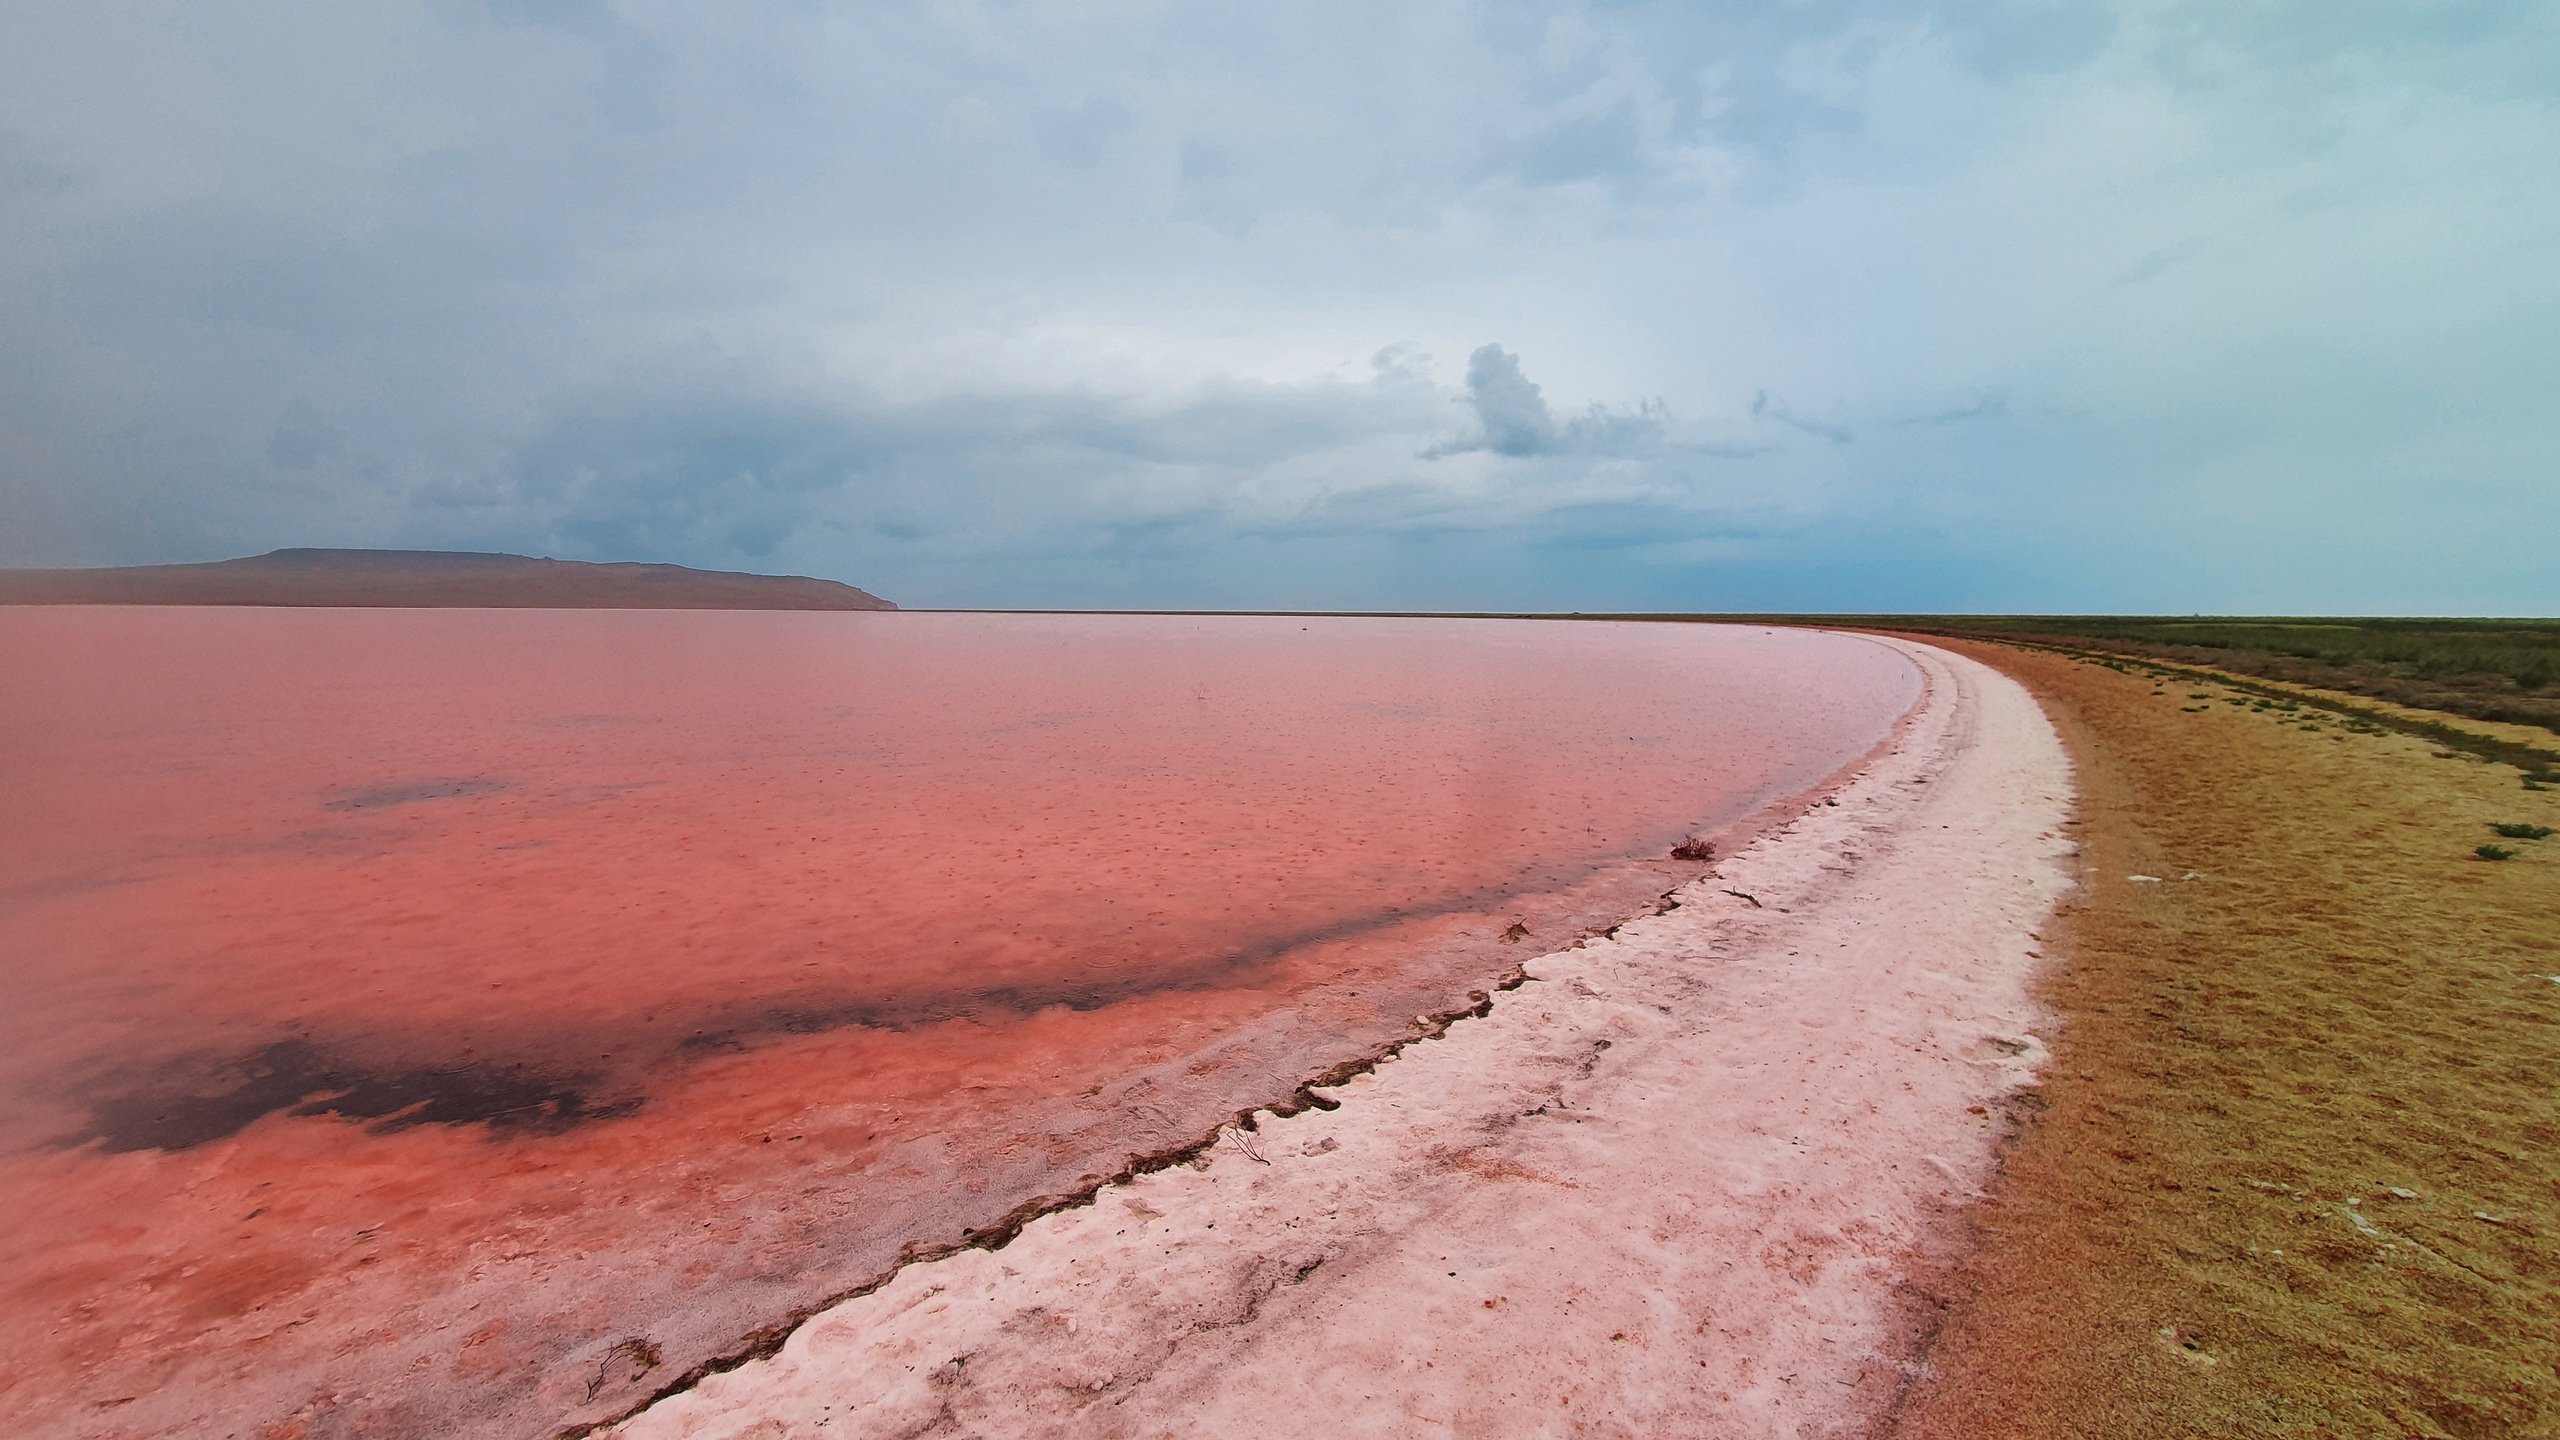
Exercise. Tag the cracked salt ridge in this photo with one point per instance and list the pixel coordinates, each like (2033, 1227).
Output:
(1672, 1184)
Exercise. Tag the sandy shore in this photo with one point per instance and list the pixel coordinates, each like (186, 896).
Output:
(1673, 1183)
(2297, 1169)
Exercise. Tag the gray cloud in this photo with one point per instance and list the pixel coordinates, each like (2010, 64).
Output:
(1512, 418)
(1763, 406)
(2159, 262)
(1989, 405)
(302, 439)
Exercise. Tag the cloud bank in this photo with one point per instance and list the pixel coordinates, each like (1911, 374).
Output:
(1883, 303)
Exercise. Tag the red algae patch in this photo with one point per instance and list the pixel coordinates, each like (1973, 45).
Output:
(1678, 1183)
(468, 1022)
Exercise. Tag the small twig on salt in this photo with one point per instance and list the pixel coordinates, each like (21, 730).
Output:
(1754, 899)
(1245, 1144)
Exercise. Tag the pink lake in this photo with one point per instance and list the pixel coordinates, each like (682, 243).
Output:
(469, 1022)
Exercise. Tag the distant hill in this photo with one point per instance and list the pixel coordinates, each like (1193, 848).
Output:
(450, 578)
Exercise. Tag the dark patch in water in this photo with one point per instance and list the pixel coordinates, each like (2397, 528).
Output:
(995, 1004)
(296, 1077)
(606, 789)
(736, 1028)
(195, 1102)
(410, 792)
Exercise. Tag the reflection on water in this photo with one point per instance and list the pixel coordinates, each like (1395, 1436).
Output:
(421, 1013)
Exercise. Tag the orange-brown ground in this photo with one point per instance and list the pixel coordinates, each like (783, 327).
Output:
(2295, 1168)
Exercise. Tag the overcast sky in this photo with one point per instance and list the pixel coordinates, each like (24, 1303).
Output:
(1792, 304)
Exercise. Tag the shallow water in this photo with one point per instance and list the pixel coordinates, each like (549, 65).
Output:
(465, 1021)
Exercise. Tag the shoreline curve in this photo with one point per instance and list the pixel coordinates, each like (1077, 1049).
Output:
(1679, 1178)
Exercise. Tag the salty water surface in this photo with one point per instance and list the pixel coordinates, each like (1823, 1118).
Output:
(464, 1022)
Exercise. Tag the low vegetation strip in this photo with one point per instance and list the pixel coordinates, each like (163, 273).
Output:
(2502, 670)
(2296, 1165)
(2509, 744)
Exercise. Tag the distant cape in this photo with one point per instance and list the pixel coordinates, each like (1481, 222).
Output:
(447, 578)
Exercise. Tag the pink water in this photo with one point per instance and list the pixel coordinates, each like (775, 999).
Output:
(432, 1022)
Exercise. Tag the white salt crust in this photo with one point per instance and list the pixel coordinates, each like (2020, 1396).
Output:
(1669, 1186)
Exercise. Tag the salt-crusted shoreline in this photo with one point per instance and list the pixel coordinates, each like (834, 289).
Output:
(1668, 1186)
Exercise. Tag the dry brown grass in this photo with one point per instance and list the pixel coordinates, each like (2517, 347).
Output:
(2200, 1233)
(2500, 670)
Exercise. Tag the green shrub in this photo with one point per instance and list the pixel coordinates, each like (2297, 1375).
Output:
(2493, 852)
(2524, 832)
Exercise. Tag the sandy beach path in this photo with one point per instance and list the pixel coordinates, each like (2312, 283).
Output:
(1670, 1184)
